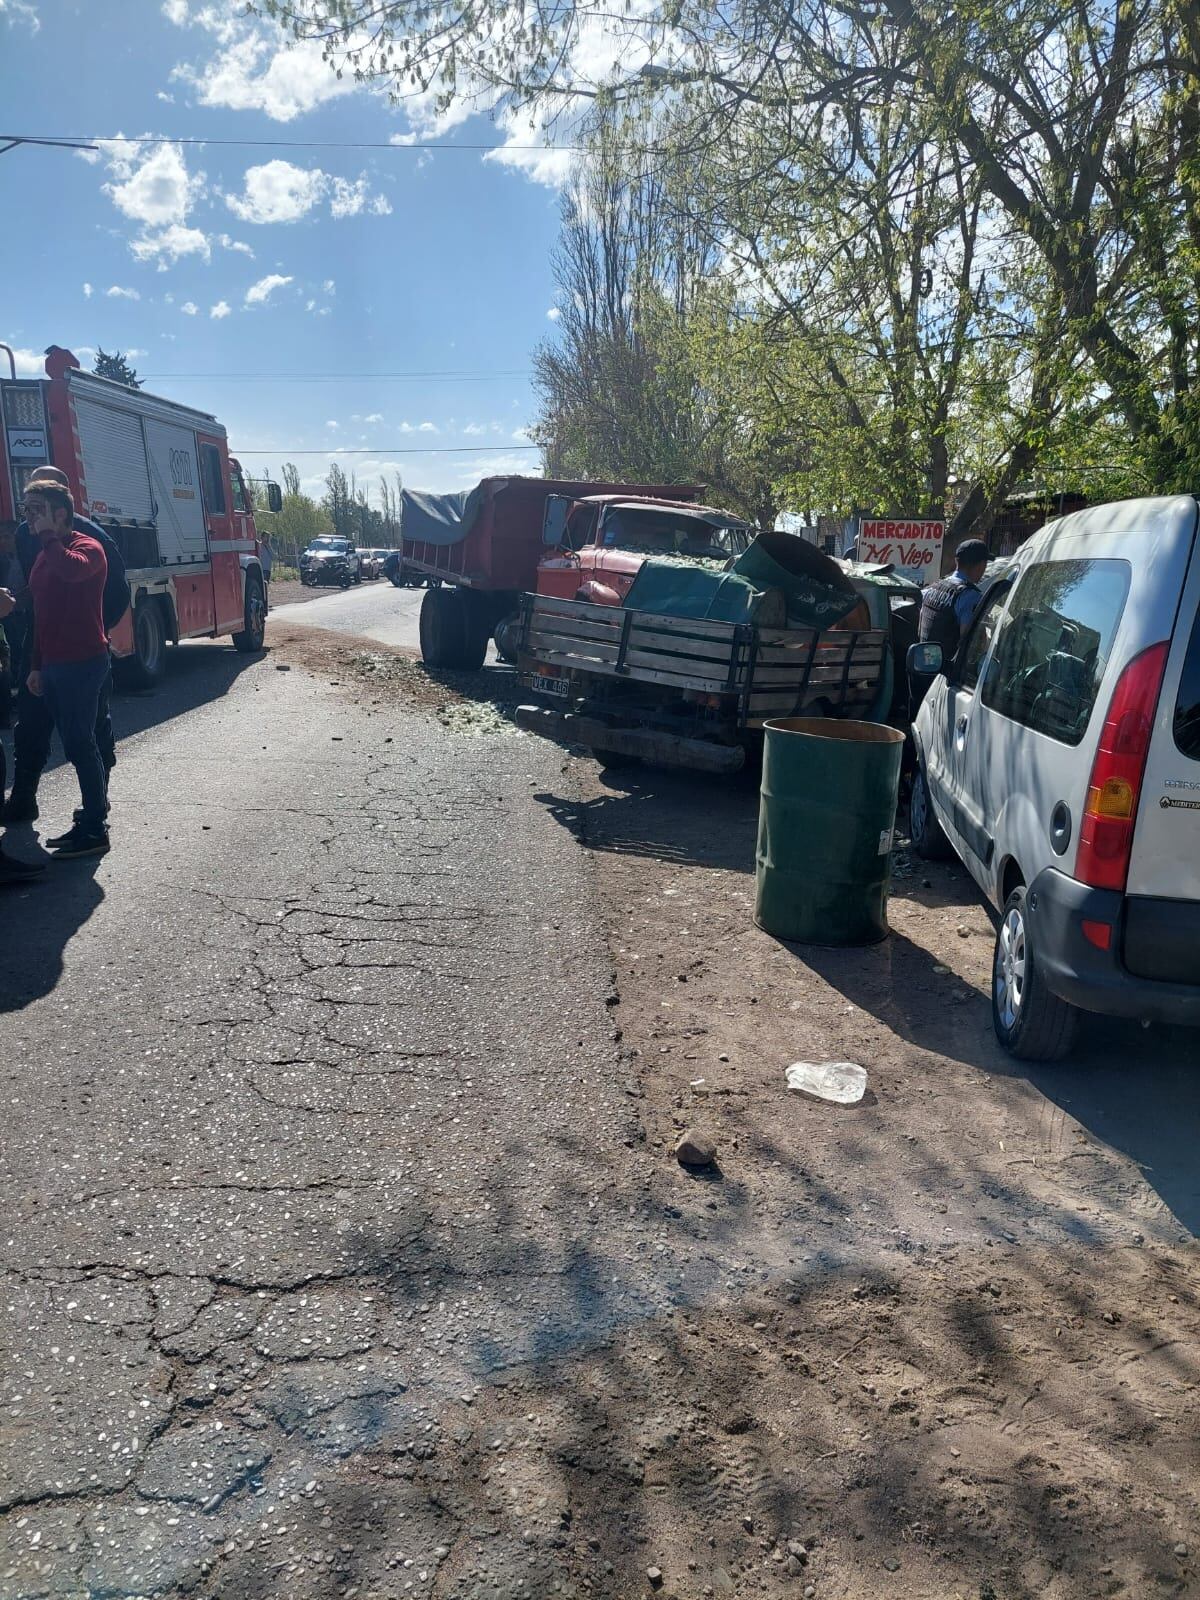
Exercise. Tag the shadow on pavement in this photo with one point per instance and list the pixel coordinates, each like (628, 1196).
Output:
(692, 819)
(44, 918)
(197, 672)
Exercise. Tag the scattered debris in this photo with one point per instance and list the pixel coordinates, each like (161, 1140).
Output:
(844, 1082)
(696, 1149)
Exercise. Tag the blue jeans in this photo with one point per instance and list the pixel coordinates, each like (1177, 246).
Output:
(72, 693)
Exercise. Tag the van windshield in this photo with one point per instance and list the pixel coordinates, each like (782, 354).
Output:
(1187, 703)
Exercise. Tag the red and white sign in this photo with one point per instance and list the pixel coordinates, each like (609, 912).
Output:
(914, 549)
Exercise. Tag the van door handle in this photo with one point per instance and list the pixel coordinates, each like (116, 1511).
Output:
(960, 727)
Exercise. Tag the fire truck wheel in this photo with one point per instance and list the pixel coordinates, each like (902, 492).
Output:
(145, 667)
(251, 637)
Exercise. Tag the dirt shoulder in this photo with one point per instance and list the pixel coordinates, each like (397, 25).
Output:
(965, 1337)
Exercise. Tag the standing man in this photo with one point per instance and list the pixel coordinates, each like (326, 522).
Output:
(11, 871)
(69, 661)
(947, 607)
(31, 742)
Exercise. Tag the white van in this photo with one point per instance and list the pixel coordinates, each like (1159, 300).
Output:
(1059, 755)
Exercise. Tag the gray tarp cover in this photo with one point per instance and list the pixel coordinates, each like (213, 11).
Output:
(438, 518)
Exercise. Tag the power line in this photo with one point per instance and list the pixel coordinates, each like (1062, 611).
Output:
(90, 141)
(334, 377)
(387, 450)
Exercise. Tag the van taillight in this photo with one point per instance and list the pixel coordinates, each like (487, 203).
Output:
(1106, 836)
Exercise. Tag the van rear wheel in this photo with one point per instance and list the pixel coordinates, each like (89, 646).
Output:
(924, 829)
(1031, 1023)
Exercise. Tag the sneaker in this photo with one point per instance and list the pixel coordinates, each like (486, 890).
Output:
(18, 871)
(80, 841)
(21, 806)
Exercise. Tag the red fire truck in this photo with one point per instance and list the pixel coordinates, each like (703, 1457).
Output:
(159, 478)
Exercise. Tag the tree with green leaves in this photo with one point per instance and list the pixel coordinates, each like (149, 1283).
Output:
(301, 519)
(116, 368)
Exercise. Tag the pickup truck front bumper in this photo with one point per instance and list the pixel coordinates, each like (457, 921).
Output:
(659, 749)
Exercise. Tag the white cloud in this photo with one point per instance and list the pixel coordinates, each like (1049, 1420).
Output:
(374, 416)
(259, 293)
(30, 363)
(553, 314)
(151, 185)
(87, 291)
(176, 11)
(221, 309)
(167, 99)
(473, 429)
(280, 191)
(236, 245)
(155, 187)
(428, 427)
(116, 292)
(334, 425)
(350, 199)
(168, 246)
(329, 286)
(14, 11)
(257, 67)
(189, 308)
(277, 191)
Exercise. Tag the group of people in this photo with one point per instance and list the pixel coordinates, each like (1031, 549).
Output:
(66, 589)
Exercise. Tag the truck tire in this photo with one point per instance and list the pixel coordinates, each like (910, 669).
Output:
(924, 829)
(145, 667)
(1029, 1021)
(250, 639)
(453, 633)
(507, 635)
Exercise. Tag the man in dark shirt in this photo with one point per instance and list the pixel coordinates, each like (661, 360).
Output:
(31, 740)
(69, 661)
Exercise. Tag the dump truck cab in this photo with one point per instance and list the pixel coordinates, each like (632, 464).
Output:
(596, 545)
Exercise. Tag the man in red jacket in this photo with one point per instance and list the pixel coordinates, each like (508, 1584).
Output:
(70, 652)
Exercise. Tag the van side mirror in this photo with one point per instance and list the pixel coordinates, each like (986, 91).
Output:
(926, 660)
(274, 497)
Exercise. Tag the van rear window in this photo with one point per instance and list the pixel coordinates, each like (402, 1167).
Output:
(1187, 704)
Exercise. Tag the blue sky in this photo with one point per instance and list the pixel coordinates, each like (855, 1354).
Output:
(236, 261)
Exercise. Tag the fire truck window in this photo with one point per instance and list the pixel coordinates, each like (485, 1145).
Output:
(239, 493)
(214, 486)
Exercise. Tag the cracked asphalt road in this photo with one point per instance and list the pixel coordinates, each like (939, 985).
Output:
(306, 1084)
(345, 1255)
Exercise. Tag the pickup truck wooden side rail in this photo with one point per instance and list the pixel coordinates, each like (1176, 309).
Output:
(770, 672)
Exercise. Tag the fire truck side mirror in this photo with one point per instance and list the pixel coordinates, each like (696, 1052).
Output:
(274, 497)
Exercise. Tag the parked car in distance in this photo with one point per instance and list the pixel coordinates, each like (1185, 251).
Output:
(372, 563)
(1059, 755)
(330, 561)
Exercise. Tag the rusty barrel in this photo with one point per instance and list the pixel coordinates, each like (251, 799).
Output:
(825, 820)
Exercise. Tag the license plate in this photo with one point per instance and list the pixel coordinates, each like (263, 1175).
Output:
(544, 684)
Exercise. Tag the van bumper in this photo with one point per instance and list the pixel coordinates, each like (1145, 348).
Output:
(1098, 980)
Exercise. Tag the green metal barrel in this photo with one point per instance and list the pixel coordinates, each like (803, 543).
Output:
(825, 822)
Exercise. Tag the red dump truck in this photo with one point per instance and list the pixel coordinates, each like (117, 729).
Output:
(159, 478)
(480, 550)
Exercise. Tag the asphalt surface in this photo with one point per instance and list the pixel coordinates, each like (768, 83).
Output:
(344, 1251)
(303, 1086)
(375, 611)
